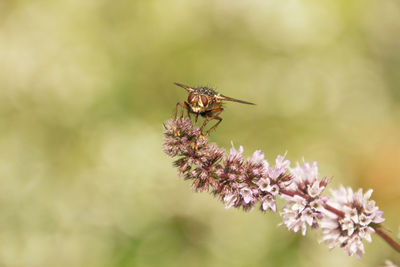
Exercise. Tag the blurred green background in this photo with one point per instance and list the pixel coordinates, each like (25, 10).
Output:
(86, 85)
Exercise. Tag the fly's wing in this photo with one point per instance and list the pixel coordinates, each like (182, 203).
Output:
(227, 98)
(187, 88)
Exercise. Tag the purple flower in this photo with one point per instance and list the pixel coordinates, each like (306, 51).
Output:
(270, 184)
(256, 166)
(247, 195)
(299, 213)
(248, 180)
(346, 219)
(360, 214)
(204, 174)
(264, 185)
(179, 134)
(229, 200)
(304, 206)
(198, 159)
(268, 202)
(234, 164)
(281, 166)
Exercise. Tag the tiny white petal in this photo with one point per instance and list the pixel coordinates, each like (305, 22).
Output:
(269, 202)
(247, 194)
(258, 156)
(229, 200)
(368, 194)
(303, 229)
(263, 184)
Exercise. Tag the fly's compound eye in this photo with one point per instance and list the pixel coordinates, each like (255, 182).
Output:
(191, 97)
(204, 100)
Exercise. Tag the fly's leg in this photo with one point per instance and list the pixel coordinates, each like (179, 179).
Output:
(213, 115)
(206, 120)
(215, 126)
(188, 111)
(183, 106)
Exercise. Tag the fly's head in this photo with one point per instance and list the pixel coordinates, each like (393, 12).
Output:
(200, 99)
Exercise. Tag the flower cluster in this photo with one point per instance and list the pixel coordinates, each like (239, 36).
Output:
(198, 159)
(304, 202)
(346, 219)
(274, 182)
(359, 215)
(247, 182)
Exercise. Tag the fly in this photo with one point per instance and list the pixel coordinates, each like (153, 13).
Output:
(206, 102)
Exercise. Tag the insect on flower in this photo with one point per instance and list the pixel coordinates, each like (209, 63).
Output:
(206, 102)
